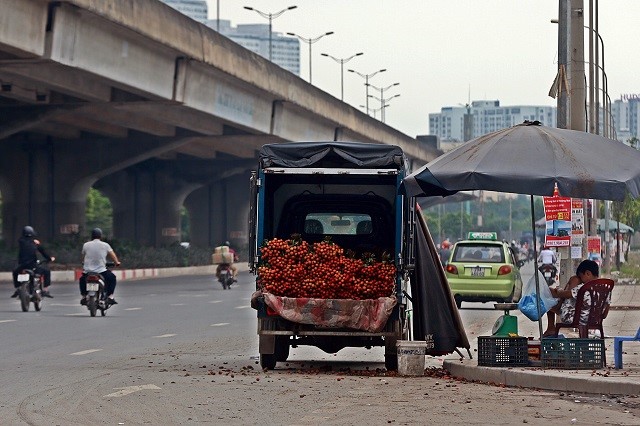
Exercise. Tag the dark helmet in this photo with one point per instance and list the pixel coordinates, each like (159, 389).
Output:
(227, 243)
(96, 233)
(28, 231)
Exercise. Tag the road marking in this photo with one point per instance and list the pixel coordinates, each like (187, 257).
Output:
(74, 315)
(220, 324)
(133, 309)
(178, 304)
(215, 301)
(62, 304)
(163, 336)
(88, 351)
(130, 389)
(243, 307)
(7, 320)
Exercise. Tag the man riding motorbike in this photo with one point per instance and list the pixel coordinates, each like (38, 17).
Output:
(547, 259)
(94, 259)
(28, 259)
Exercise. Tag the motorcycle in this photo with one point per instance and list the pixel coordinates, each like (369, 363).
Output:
(549, 273)
(225, 277)
(96, 293)
(31, 287)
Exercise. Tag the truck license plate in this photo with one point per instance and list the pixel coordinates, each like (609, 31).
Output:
(477, 272)
(92, 286)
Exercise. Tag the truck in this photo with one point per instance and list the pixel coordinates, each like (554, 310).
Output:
(345, 192)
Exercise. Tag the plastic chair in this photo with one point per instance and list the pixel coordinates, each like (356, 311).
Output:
(598, 290)
(617, 347)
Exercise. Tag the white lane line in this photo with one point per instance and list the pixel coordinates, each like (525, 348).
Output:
(88, 351)
(133, 309)
(7, 321)
(220, 324)
(62, 304)
(163, 336)
(178, 304)
(215, 301)
(75, 315)
(243, 307)
(129, 390)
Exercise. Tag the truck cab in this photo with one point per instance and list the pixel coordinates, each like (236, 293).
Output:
(347, 193)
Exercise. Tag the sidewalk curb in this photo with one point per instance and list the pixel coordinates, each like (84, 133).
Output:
(135, 274)
(541, 379)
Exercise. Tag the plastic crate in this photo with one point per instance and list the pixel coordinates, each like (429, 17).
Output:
(573, 354)
(503, 351)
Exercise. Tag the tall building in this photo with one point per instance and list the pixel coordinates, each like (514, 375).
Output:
(195, 9)
(456, 125)
(626, 117)
(285, 51)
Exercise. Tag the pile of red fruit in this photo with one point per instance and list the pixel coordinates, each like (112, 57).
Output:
(295, 268)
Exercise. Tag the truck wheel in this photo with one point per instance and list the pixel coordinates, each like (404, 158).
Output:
(282, 348)
(268, 361)
(391, 362)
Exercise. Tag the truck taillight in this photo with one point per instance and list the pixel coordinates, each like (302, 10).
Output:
(452, 269)
(504, 270)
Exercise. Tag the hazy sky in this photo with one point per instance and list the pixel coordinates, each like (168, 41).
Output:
(438, 50)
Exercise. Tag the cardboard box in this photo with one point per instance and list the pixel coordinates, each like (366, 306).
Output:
(222, 257)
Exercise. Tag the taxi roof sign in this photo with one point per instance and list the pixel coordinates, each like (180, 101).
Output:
(482, 236)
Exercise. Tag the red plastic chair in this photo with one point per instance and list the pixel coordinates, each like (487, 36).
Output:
(599, 290)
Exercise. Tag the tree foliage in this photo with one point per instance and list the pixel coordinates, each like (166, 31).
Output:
(99, 212)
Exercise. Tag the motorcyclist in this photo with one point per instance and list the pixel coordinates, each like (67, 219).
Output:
(230, 266)
(94, 259)
(547, 258)
(28, 259)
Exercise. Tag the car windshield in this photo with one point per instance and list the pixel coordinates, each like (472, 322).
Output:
(478, 252)
(338, 224)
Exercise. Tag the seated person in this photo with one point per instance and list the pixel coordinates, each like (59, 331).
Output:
(587, 270)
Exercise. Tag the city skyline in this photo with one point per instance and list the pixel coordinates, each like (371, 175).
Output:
(443, 53)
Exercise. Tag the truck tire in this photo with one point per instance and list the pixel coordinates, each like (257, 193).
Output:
(282, 348)
(268, 361)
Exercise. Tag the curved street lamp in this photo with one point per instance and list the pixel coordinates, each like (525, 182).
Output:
(366, 82)
(310, 41)
(381, 98)
(270, 17)
(384, 104)
(342, 61)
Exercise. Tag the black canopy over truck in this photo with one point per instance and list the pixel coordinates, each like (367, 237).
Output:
(349, 195)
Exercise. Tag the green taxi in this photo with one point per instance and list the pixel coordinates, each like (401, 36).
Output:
(484, 269)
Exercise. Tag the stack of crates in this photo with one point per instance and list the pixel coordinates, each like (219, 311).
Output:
(494, 351)
(573, 354)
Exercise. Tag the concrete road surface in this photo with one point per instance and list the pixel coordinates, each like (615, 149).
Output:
(183, 351)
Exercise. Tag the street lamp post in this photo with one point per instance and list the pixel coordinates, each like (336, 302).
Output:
(310, 41)
(342, 61)
(270, 17)
(366, 82)
(381, 98)
(383, 104)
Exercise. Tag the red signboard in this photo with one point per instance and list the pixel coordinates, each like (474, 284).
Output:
(557, 212)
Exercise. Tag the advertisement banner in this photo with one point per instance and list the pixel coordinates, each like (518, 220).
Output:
(594, 244)
(557, 212)
(577, 221)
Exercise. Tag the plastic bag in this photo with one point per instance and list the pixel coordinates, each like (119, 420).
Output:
(527, 303)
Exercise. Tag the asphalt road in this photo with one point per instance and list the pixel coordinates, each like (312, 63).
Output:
(182, 350)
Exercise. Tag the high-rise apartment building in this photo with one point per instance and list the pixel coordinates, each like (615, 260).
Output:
(626, 117)
(285, 51)
(455, 125)
(195, 9)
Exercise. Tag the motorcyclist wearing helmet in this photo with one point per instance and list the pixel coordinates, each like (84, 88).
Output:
(230, 266)
(29, 247)
(94, 259)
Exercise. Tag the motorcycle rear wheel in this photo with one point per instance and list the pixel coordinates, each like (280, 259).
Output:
(24, 298)
(92, 304)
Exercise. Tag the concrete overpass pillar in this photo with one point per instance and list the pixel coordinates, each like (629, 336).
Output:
(237, 209)
(38, 190)
(146, 202)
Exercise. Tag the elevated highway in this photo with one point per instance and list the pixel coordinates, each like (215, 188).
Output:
(152, 108)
